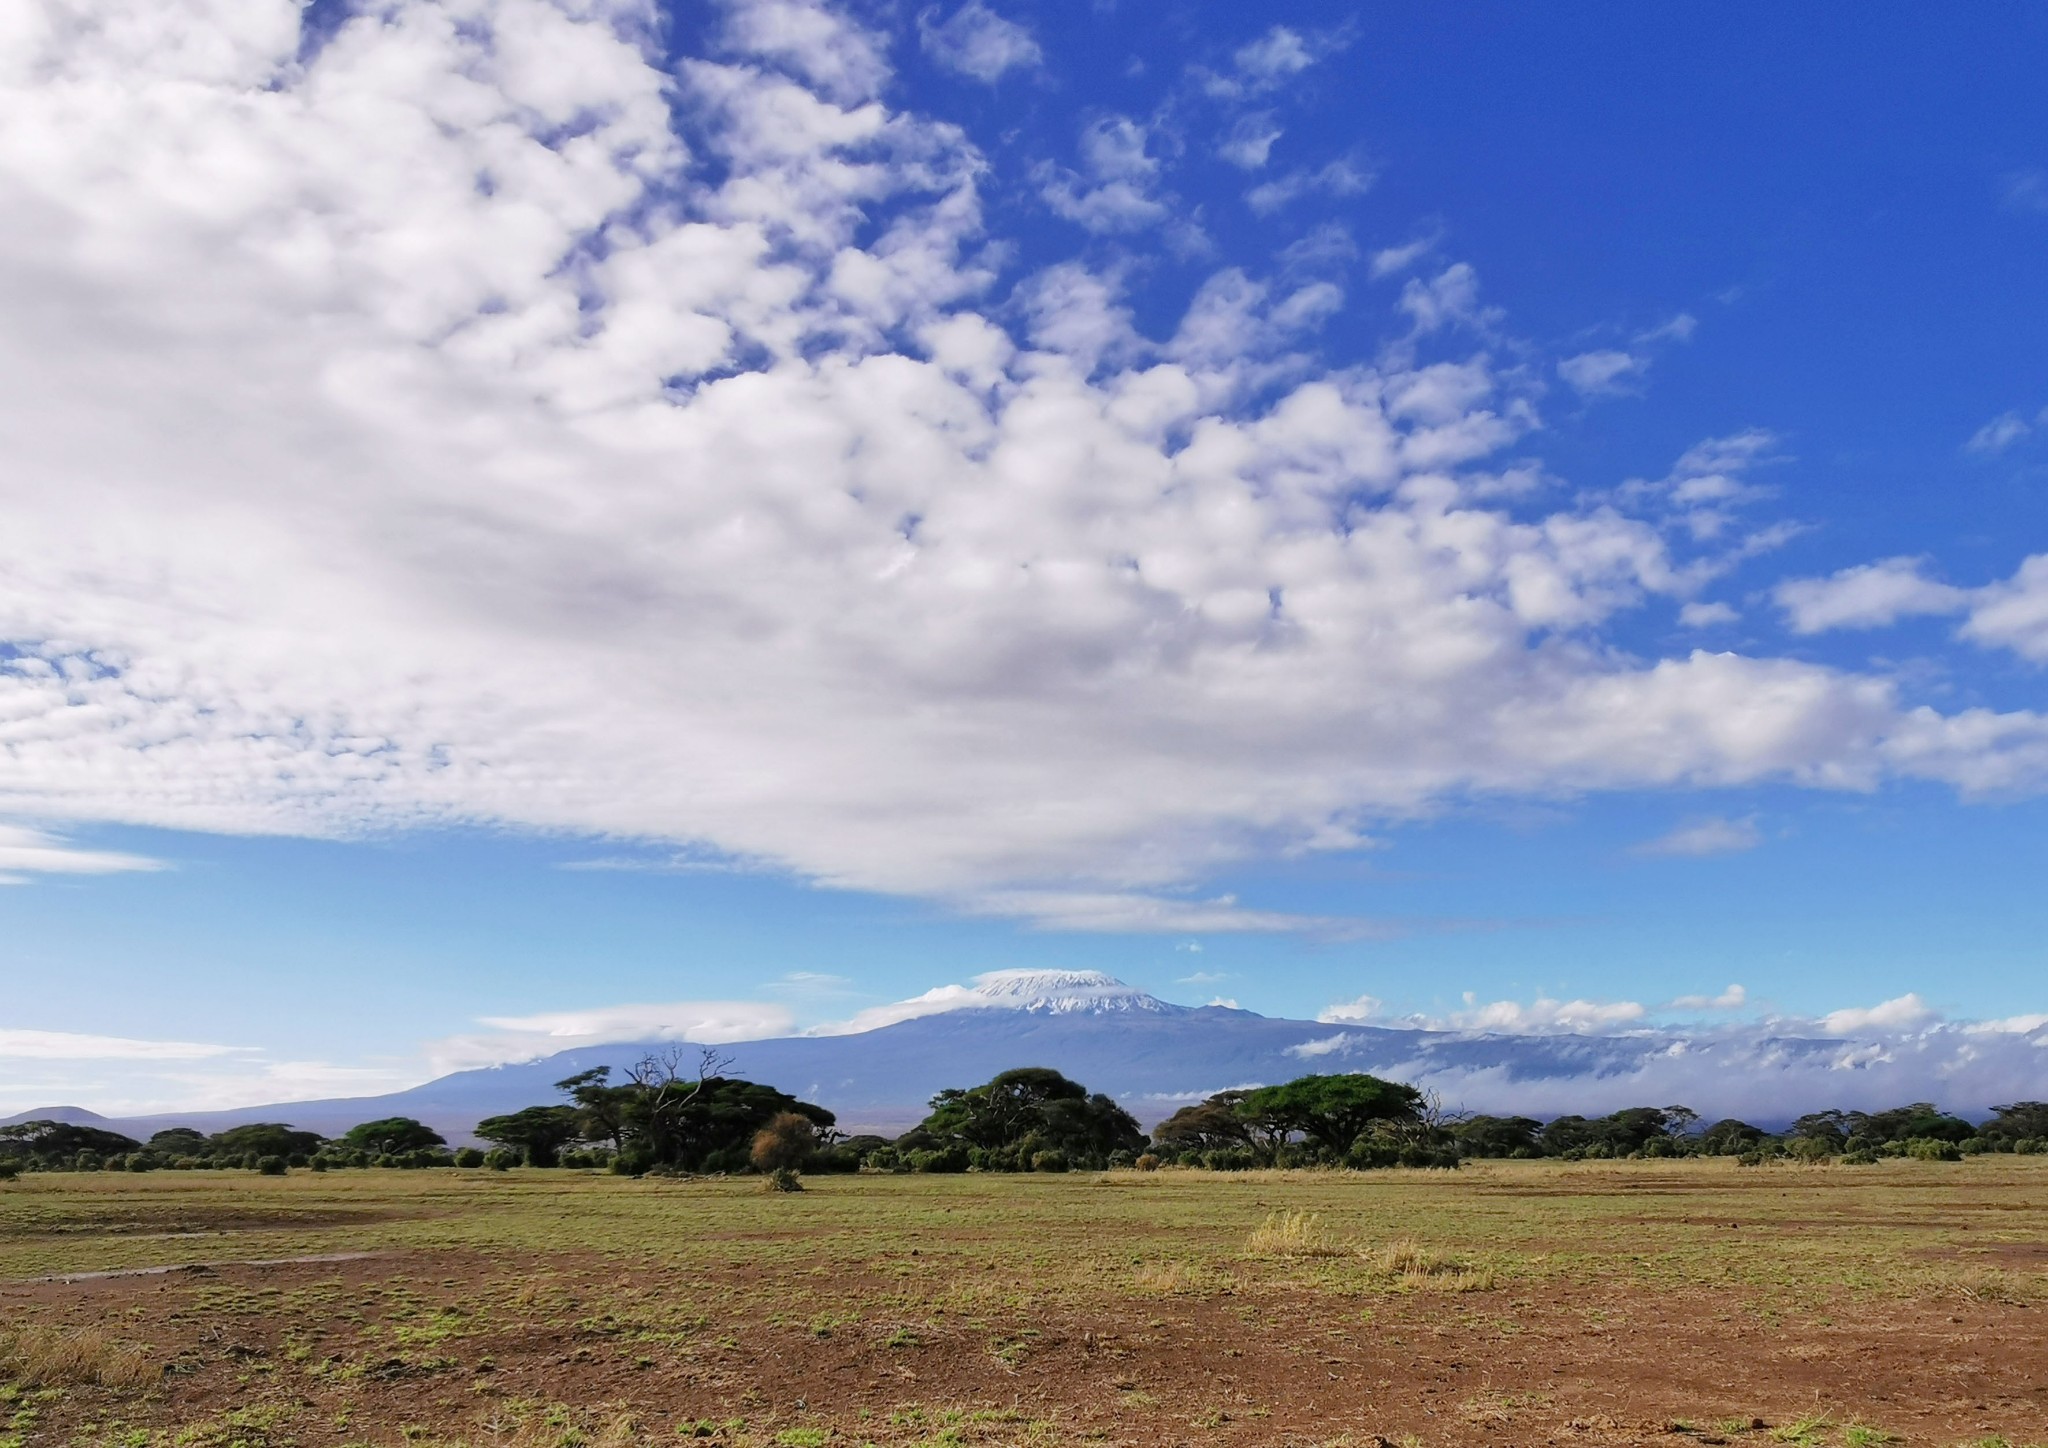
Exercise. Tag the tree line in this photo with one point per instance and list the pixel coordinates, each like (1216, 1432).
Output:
(665, 1116)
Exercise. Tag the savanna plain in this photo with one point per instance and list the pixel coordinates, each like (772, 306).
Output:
(1504, 1303)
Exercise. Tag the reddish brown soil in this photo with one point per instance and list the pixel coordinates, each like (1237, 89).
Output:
(1554, 1364)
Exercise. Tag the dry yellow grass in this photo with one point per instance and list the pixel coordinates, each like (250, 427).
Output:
(44, 1357)
(1407, 1263)
(1292, 1234)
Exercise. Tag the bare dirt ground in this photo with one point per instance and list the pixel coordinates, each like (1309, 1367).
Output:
(1685, 1303)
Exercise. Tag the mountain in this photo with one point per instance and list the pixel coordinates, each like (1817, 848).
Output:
(69, 1115)
(1155, 1056)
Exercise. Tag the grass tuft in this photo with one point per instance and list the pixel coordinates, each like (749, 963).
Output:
(1292, 1234)
(41, 1357)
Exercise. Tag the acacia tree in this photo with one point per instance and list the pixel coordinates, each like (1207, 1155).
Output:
(392, 1135)
(1330, 1113)
(1022, 1112)
(538, 1133)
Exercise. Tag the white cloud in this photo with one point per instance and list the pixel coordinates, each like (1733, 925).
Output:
(1361, 1008)
(1114, 190)
(1337, 178)
(1707, 615)
(25, 852)
(523, 1038)
(71, 1046)
(1900, 1013)
(1122, 913)
(514, 428)
(1387, 261)
(1999, 434)
(1706, 837)
(1734, 998)
(1250, 140)
(2010, 614)
(1278, 55)
(2014, 614)
(1868, 596)
(977, 42)
(1204, 977)
(1542, 1016)
(1605, 373)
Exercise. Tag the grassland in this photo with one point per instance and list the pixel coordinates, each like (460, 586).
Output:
(1586, 1303)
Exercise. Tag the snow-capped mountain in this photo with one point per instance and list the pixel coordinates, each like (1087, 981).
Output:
(1155, 1056)
(1064, 992)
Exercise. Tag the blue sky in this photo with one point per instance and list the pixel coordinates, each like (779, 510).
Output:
(522, 511)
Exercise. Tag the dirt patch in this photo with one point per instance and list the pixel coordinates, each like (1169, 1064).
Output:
(1265, 1362)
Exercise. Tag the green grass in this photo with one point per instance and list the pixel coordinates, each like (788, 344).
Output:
(489, 1286)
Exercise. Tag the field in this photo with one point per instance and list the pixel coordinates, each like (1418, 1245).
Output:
(1539, 1302)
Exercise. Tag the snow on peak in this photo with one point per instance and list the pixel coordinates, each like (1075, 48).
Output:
(1045, 992)
(1063, 992)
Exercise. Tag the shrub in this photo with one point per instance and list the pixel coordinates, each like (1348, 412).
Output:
(883, 1158)
(1049, 1161)
(788, 1141)
(318, 1163)
(1148, 1162)
(469, 1156)
(785, 1179)
(945, 1161)
(1860, 1157)
(1927, 1148)
(8, 1171)
(271, 1166)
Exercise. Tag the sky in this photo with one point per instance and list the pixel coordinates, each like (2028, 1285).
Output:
(533, 521)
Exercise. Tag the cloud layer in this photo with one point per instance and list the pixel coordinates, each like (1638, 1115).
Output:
(460, 417)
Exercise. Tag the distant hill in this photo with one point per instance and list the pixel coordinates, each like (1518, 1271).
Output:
(69, 1115)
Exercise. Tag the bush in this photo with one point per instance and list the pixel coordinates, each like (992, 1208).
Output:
(1147, 1162)
(271, 1166)
(1228, 1158)
(883, 1158)
(501, 1159)
(785, 1179)
(8, 1171)
(945, 1161)
(1054, 1161)
(1927, 1148)
(2031, 1146)
(469, 1156)
(1863, 1156)
(318, 1163)
(787, 1142)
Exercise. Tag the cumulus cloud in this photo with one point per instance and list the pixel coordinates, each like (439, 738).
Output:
(1868, 596)
(1899, 1013)
(2010, 614)
(25, 852)
(1115, 189)
(513, 427)
(977, 42)
(1714, 836)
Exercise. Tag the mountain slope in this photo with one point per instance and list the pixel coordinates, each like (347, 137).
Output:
(1155, 1056)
